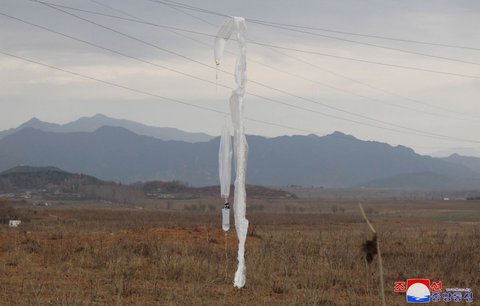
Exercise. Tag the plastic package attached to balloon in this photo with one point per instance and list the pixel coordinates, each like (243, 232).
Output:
(226, 218)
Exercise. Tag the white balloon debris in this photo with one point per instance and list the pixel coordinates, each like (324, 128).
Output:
(225, 173)
(221, 39)
(225, 162)
(236, 26)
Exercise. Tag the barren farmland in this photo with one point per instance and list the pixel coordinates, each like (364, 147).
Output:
(299, 252)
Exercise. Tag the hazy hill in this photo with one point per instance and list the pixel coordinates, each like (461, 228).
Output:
(27, 177)
(464, 151)
(90, 124)
(52, 181)
(113, 153)
(109, 153)
(19, 170)
(337, 160)
(468, 161)
(425, 180)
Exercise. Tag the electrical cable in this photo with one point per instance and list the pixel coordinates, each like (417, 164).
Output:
(398, 66)
(194, 8)
(416, 131)
(139, 91)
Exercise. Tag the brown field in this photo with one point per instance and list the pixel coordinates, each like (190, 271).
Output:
(299, 252)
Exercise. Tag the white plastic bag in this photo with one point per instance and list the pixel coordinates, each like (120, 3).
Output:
(225, 162)
(225, 219)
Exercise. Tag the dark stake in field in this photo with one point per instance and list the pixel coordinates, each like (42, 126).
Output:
(369, 248)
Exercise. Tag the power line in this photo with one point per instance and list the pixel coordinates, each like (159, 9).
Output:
(182, 102)
(112, 50)
(216, 84)
(79, 75)
(378, 101)
(191, 7)
(368, 44)
(198, 9)
(193, 16)
(273, 25)
(268, 66)
(368, 61)
(111, 83)
(415, 131)
(300, 60)
(413, 68)
(367, 35)
(121, 33)
(338, 75)
(194, 8)
(137, 19)
(84, 76)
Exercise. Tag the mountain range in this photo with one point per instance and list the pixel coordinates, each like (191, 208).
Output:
(117, 153)
(90, 124)
(468, 161)
(465, 151)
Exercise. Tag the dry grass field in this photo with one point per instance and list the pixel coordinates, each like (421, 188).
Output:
(299, 252)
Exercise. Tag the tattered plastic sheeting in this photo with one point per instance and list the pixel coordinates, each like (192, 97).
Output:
(236, 26)
(225, 162)
(225, 172)
(221, 39)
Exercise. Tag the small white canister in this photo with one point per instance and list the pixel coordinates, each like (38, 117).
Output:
(226, 217)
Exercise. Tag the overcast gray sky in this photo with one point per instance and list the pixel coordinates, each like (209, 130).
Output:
(453, 108)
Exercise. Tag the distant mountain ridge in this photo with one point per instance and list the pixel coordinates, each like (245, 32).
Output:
(28, 177)
(473, 152)
(117, 154)
(468, 161)
(29, 170)
(90, 124)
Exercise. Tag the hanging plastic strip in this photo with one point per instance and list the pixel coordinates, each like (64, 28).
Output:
(236, 26)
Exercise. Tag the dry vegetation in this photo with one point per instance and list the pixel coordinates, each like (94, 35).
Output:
(298, 253)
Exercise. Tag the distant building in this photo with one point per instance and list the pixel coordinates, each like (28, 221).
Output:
(14, 223)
